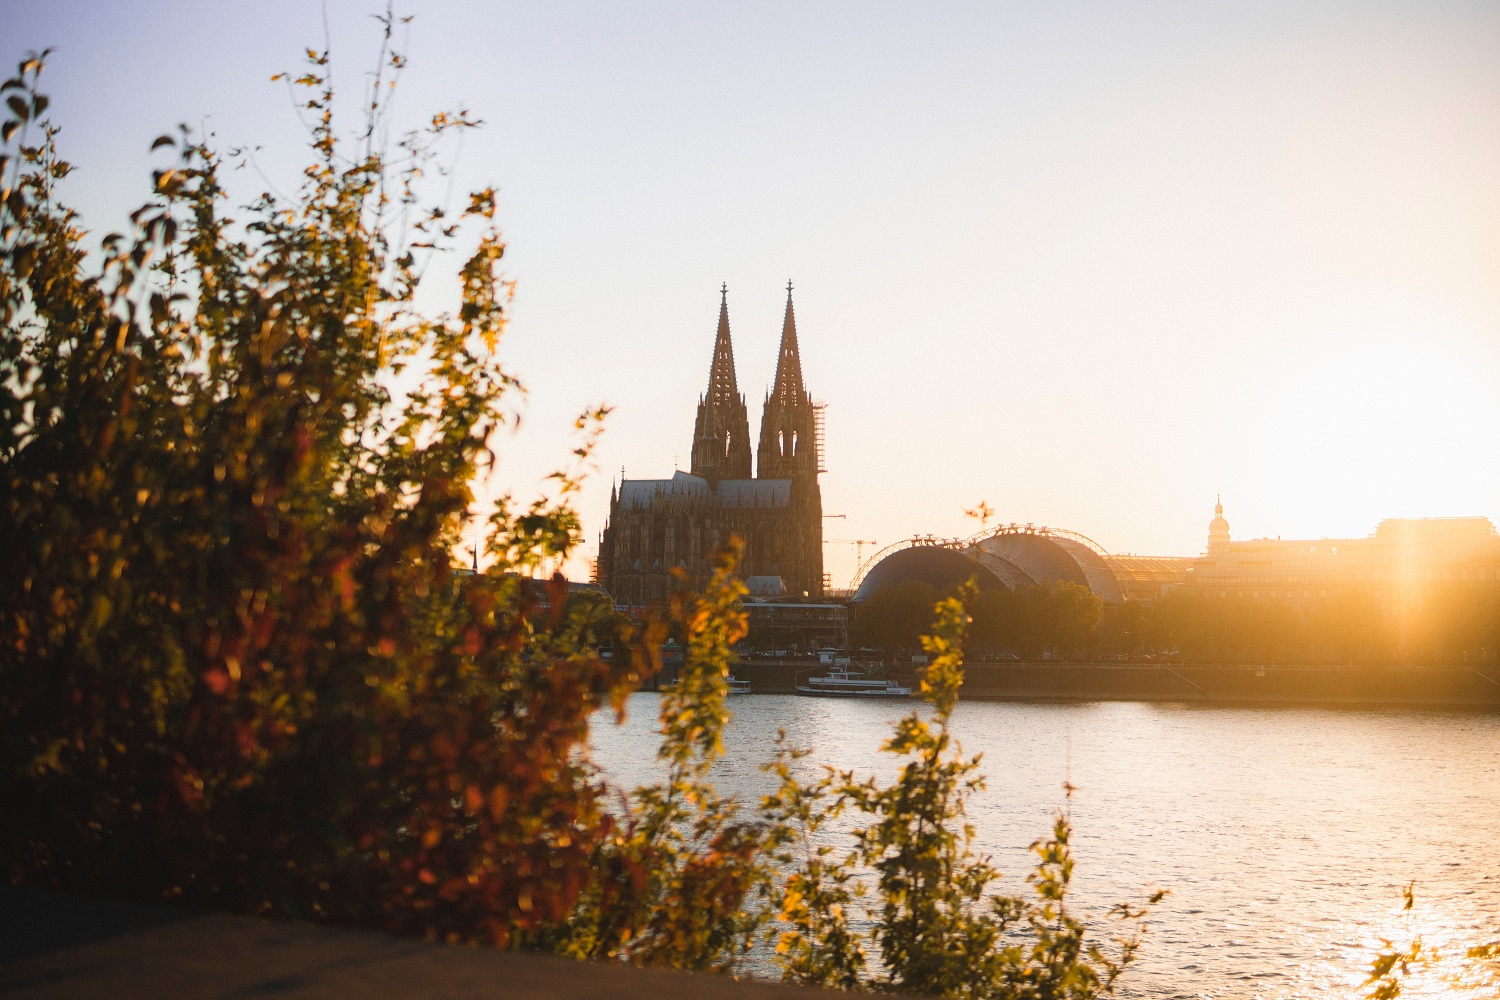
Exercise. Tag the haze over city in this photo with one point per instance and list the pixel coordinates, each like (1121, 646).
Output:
(1090, 266)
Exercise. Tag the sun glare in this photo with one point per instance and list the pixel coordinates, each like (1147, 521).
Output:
(1443, 967)
(1372, 423)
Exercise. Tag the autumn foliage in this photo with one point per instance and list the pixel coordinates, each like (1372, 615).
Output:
(239, 667)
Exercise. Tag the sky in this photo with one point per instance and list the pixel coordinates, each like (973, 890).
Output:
(1092, 264)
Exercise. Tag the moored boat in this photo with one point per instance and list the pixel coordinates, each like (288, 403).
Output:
(839, 682)
(737, 686)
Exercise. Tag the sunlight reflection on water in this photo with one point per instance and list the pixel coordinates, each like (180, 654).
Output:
(1284, 835)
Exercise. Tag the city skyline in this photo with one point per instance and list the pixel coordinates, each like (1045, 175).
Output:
(1090, 268)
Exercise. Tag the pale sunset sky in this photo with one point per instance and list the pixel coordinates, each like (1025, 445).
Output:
(1090, 263)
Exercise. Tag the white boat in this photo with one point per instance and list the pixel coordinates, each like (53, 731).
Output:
(737, 686)
(840, 683)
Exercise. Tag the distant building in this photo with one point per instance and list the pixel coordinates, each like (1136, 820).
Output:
(1399, 566)
(1145, 578)
(1397, 571)
(796, 626)
(656, 525)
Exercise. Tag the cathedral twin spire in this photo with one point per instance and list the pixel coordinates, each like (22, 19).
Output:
(788, 387)
(722, 389)
(721, 435)
(788, 441)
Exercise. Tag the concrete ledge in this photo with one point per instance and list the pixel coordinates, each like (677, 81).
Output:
(55, 946)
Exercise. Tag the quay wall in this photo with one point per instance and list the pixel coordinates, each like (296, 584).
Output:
(1436, 686)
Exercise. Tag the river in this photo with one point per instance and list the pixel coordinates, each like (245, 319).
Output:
(1284, 835)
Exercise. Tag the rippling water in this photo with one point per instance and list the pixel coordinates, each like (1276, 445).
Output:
(1284, 835)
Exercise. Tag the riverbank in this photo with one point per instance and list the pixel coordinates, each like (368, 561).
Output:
(1442, 686)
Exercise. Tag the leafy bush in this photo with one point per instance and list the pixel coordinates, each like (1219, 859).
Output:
(238, 666)
(938, 926)
(675, 883)
(240, 669)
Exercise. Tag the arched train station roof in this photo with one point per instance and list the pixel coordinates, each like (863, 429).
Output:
(1015, 555)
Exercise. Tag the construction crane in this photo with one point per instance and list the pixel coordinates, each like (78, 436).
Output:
(858, 543)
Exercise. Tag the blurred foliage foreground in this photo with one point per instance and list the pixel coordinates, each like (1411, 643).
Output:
(238, 667)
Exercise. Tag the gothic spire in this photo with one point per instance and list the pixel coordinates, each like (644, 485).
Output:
(788, 388)
(721, 436)
(722, 388)
(788, 424)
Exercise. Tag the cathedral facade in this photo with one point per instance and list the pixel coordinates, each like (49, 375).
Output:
(658, 525)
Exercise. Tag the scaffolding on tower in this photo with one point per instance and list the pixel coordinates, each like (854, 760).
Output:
(818, 411)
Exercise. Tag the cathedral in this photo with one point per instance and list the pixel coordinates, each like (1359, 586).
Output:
(658, 525)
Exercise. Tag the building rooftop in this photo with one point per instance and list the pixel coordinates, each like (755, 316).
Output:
(741, 493)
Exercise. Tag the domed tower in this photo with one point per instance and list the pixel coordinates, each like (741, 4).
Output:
(1218, 530)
